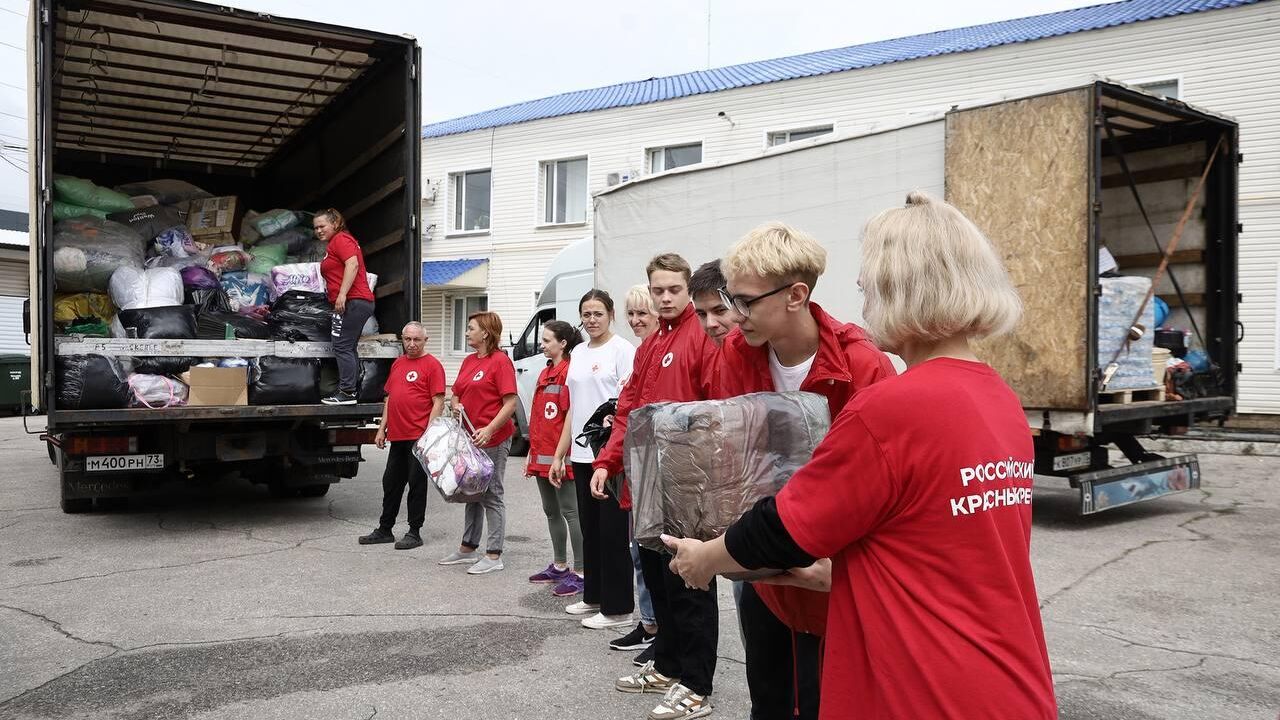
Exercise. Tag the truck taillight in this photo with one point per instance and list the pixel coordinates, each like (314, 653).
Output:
(352, 436)
(1072, 442)
(100, 444)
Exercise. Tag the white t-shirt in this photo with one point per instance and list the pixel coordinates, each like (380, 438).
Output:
(787, 379)
(595, 375)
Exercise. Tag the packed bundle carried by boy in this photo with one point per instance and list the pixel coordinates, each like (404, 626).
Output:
(696, 467)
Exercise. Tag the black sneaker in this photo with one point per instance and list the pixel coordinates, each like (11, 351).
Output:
(637, 639)
(409, 541)
(643, 658)
(378, 536)
(341, 397)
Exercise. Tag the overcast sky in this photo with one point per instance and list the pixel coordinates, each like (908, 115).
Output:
(482, 55)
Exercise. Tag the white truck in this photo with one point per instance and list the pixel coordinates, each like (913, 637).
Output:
(1051, 179)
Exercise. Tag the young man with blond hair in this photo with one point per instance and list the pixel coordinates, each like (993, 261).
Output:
(786, 342)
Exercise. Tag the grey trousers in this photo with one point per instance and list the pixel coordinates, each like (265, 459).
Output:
(489, 508)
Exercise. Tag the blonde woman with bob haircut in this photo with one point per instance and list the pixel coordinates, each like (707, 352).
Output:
(642, 314)
(920, 495)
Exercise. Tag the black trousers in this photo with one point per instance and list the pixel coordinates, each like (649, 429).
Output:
(403, 469)
(606, 549)
(688, 624)
(779, 662)
(346, 333)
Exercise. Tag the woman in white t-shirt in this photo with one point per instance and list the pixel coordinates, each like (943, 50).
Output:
(597, 372)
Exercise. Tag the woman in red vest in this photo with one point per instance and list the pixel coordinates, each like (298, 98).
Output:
(547, 417)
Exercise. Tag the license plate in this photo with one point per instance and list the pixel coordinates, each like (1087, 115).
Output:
(124, 463)
(1072, 461)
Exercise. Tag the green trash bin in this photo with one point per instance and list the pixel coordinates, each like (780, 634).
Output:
(15, 379)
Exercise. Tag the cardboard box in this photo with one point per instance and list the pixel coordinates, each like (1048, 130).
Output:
(217, 386)
(214, 219)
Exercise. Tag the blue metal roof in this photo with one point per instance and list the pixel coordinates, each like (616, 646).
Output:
(441, 272)
(824, 62)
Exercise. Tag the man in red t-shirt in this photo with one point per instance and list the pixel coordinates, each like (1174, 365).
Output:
(415, 397)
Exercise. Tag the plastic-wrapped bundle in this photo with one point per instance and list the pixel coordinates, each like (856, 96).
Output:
(195, 277)
(66, 211)
(85, 193)
(165, 191)
(275, 221)
(90, 382)
(301, 316)
(67, 307)
(302, 276)
(156, 391)
(696, 467)
(217, 325)
(133, 288)
(172, 323)
(176, 242)
(459, 470)
(150, 222)
(266, 257)
(246, 289)
(1117, 306)
(228, 259)
(284, 381)
(87, 250)
(373, 379)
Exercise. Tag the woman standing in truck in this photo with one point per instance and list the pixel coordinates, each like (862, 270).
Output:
(347, 285)
(484, 394)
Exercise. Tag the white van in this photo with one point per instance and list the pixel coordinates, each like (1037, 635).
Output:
(571, 275)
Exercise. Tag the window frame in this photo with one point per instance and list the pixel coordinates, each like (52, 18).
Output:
(455, 318)
(457, 202)
(769, 134)
(542, 204)
(1163, 80)
(649, 149)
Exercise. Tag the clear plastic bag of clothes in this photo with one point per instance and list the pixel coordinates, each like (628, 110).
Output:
(246, 289)
(459, 470)
(228, 258)
(165, 191)
(156, 391)
(87, 250)
(176, 242)
(275, 221)
(133, 288)
(696, 467)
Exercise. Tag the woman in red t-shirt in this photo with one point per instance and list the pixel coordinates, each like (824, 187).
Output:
(920, 495)
(485, 395)
(548, 446)
(347, 285)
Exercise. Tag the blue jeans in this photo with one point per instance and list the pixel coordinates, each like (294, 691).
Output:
(644, 599)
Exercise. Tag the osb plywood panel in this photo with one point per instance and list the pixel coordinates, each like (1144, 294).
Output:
(1020, 171)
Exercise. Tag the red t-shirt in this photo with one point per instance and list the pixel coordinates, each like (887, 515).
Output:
(412, 383)
(921, 496)
(482, 382)
(341, 248)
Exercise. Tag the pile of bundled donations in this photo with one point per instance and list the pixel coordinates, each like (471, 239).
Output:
(165, 259)
(696, 467)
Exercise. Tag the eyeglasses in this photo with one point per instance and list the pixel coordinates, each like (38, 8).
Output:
(742, 305)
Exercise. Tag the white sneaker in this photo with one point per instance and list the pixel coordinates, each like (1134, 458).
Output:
(600, 621)
(681, 702)
(581, 608)
(484, 565)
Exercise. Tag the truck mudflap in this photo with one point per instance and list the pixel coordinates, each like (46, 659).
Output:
(1116, 487)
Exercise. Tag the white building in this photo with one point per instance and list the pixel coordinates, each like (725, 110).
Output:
(508, 188)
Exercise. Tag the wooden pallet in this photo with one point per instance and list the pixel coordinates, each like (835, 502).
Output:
(1127, 397)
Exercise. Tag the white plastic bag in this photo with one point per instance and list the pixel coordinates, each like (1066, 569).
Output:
(459, 470)
(156, 391)
(132, 288)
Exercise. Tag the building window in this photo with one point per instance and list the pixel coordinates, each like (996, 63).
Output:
(1162, 88)
(783, 137)
(463, 308)
(564, 191)
(674, 156)
(471, 200)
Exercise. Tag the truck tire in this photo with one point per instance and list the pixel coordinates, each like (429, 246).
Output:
(314, 491)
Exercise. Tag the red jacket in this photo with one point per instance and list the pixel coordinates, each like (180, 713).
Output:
(674, 364)
(547, 415)
(846, 362)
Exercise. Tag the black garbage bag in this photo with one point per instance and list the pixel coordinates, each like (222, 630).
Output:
(213, 326)
(373, 377)
(176, 322)
(173, 365)
(300, 315)
(91, 382)
(150, 222)
(284, 381)
(209, 300)
(595, 433)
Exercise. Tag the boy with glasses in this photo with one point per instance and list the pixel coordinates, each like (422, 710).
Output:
(786, 342)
